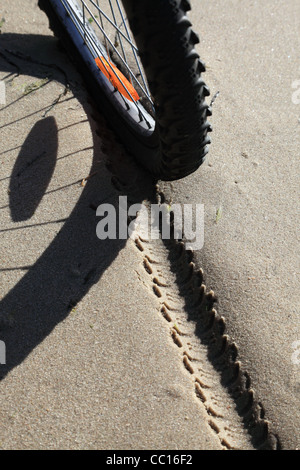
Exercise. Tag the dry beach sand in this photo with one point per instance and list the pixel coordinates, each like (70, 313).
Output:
(119, 344)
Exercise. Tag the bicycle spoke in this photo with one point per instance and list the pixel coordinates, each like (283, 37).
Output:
(118, 34)
(85, 33)
(131, 73)
(100, 10)
(105, 42)
(133, 49)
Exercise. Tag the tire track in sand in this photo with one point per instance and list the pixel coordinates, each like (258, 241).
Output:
(198, 332)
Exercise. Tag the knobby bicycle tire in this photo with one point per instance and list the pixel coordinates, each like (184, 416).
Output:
(165, 40)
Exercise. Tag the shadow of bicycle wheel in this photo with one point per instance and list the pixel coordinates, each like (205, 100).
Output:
(75, 259)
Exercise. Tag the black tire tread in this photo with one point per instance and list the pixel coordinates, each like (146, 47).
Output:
(175, 82)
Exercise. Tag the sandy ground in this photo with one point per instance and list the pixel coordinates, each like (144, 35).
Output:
(103, 347)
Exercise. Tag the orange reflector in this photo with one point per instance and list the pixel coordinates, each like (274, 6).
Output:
(118, 80)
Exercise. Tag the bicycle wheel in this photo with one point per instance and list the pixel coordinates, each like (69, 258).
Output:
(140, 64)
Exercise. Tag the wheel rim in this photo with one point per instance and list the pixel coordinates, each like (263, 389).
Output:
(107, 36)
